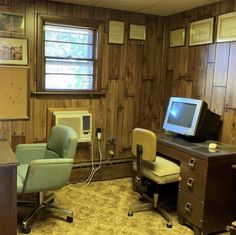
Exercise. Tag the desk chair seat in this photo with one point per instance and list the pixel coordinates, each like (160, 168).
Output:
(46, 167)
(161, 171)
(154, 168)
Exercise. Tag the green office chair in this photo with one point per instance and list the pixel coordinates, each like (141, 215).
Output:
(150, 171)
(45, 167)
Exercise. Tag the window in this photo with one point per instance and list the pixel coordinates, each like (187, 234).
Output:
(67, 51)
(69, 57)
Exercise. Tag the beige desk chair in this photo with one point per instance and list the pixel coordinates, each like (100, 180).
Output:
(45, 167)
(153, 168)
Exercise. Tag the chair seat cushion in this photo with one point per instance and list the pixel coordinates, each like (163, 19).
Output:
(161, 171)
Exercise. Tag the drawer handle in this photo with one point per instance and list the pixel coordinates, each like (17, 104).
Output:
(190, 182)
(188, 207)
(192, 162)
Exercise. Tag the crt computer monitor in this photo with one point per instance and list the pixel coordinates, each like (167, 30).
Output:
(191, 118)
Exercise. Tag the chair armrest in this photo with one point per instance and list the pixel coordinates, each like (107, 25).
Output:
(25, 153)
(47, 174)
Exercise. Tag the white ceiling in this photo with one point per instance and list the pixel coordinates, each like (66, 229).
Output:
(154, 7)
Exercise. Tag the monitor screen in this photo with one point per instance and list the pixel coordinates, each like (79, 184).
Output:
(182, 115)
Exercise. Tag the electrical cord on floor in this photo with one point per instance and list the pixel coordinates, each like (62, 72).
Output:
(93, 169)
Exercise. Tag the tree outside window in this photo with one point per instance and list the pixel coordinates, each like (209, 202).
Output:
(69, 57)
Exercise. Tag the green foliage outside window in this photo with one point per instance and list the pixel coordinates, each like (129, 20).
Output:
(69, 58)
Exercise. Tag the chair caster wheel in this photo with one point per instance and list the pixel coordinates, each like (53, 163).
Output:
(52, 201)
(69, 219)
(25, 230)
(169, 225)
(130, 213)
(141, 198)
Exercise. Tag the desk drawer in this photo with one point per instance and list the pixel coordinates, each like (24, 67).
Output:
(194, 164)
(190, 208)
(171, 152)
(194, 183)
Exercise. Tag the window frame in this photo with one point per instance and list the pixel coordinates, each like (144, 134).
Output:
(40, 57)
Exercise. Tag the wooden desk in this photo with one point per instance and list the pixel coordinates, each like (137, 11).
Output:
(207, 190)
(8, 193)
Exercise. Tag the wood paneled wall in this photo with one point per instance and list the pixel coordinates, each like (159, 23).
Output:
(130, 75)
(138, 77)
(204, 72)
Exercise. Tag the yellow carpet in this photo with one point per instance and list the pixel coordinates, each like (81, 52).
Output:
(101, 209)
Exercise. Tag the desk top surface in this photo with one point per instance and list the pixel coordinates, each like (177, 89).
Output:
(201, 148)
(7, 156)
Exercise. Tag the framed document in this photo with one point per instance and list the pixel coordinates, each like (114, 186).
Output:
(177, 37)
(13, 51)
(226, 28)
(201, 32)
(137, 32)
(116, 32)
(12, 23)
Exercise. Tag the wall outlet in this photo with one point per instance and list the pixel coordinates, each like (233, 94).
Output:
(98, 133)
(98, 130)
(111, 140)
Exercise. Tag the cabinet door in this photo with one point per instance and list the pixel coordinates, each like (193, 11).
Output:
(190, 208)
(8, 200)
(194, 183)
(194, 164)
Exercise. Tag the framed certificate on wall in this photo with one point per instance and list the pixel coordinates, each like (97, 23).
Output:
(116, 32)
(201, 32)
(137, 32)
(177, 37)
(226, 28)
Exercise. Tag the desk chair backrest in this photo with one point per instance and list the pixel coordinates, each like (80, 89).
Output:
(148, 141)
(62, 143)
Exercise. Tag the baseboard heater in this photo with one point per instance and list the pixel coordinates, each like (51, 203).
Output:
(113, 169)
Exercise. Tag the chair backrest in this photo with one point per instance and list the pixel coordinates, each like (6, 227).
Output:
(148, 141)
(54, 170)
(62, 143)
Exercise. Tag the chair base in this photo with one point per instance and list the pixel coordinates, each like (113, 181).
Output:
(40, 204)
(150, 206)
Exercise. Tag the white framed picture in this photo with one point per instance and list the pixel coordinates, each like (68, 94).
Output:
(13, 51)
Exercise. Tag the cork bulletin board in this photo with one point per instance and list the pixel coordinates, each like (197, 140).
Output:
(13, 93)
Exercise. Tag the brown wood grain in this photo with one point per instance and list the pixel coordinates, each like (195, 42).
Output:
(229, 126)
(200, 68)
(218, 100)
(231, 83)
(138, 77)
(211, 68)
(221, 64)
(209, 82)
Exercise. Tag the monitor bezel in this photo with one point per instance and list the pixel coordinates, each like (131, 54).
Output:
(181, 129)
